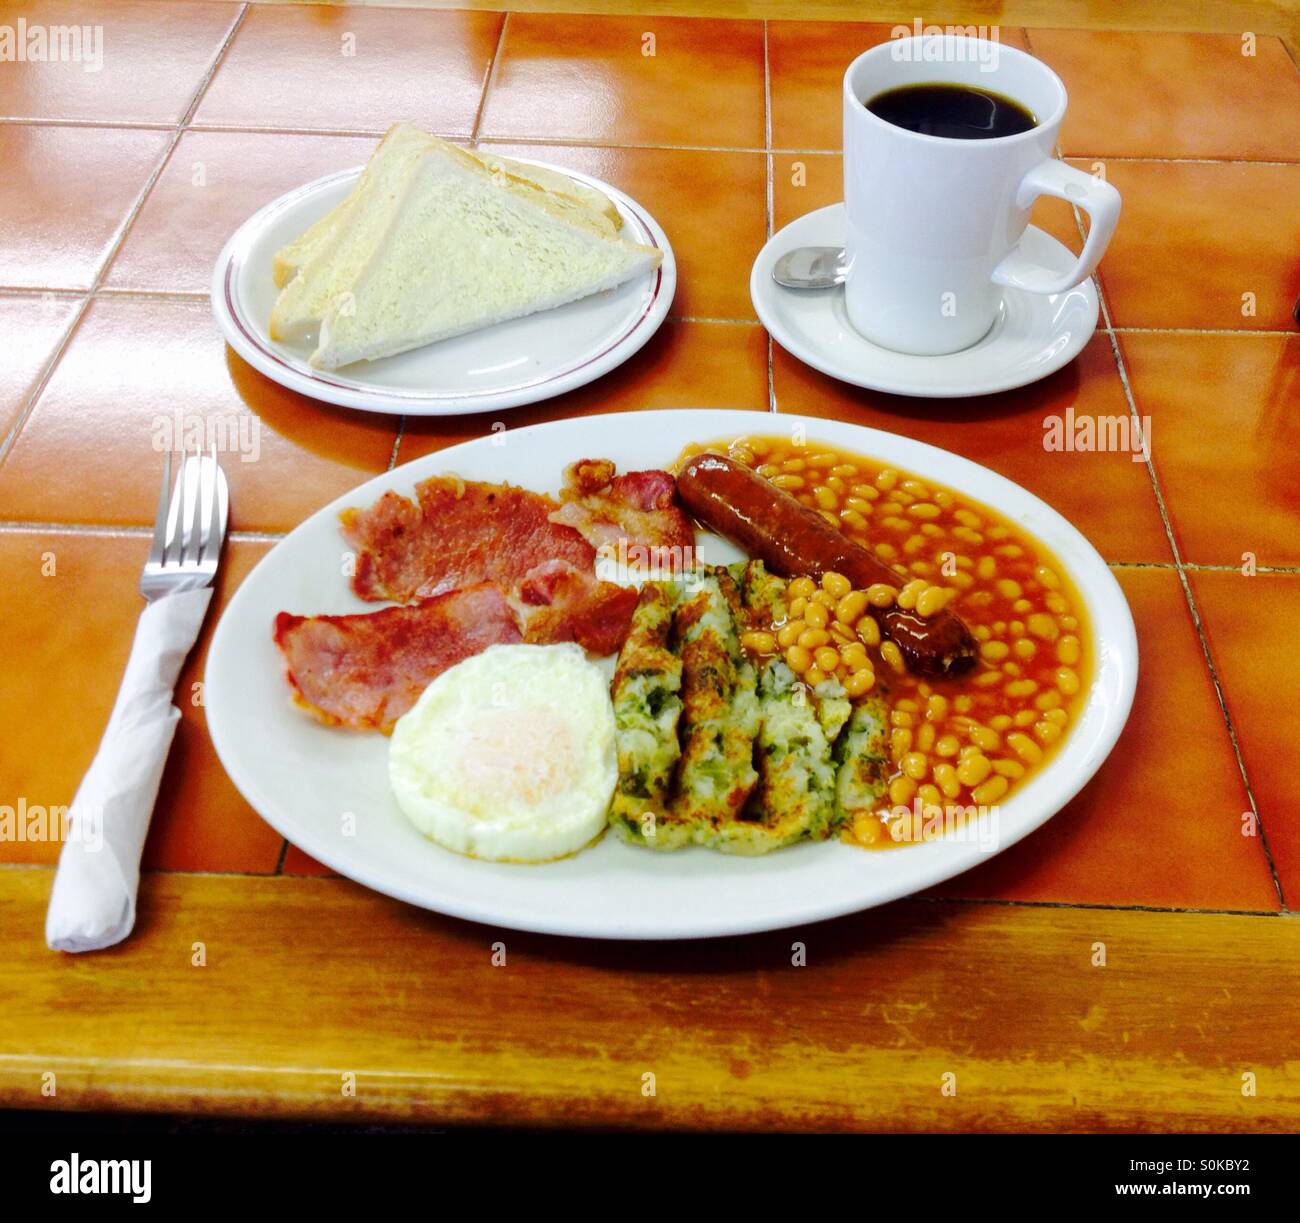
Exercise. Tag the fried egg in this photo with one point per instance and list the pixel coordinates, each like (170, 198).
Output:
(509, 755)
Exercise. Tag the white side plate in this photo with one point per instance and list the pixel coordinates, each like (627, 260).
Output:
(304, 778)
(1034, 334)
(513, 363)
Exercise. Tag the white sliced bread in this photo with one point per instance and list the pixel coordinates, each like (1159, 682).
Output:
(398, 142)
(464, 248)
(556, 183)
(336, 252)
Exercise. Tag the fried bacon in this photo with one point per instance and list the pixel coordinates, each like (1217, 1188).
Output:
(561, 603)
(457, 533)
(634, 517)
(366, 670)
(473, 565)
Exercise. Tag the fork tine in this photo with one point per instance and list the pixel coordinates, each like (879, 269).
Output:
(195, 515)
(223, 504)
(185, 513)
(158, 550)
(175, 519)
(208, 490)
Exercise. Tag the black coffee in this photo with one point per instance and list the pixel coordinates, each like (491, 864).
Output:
(960, 112)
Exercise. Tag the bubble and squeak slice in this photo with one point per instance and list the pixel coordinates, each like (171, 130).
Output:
(794, 799)
(647, 708)
(720, 718)
(862, 756)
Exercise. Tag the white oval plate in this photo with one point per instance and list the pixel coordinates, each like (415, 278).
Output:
(1033, 335)
(505, 366)
(304, 778)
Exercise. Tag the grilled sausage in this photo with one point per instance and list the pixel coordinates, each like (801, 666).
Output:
(791, 539)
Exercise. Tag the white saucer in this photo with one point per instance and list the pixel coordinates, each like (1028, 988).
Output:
(505, 366)
(1033, 336)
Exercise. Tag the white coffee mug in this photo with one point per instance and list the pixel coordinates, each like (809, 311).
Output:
(934, 223)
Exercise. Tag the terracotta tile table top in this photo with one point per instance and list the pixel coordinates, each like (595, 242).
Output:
(1182, 857)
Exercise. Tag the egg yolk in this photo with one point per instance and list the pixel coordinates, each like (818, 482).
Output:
(516, 757)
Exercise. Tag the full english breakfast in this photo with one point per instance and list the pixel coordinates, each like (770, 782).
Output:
(885, 647)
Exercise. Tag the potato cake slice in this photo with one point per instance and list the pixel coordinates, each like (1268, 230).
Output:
(862, 756)
(720, 715)
(647, 708)
(795, 796)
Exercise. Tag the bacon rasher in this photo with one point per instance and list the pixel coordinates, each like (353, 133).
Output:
(366, 670)
(457, 533)
(474, 565)
(634, 517)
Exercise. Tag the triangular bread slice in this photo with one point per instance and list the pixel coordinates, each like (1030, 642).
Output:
(398, 143)
(464, 248)
(556, 183)
(338, 251)
(400, 139)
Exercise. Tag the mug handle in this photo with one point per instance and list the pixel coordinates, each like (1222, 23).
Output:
(1094, 195)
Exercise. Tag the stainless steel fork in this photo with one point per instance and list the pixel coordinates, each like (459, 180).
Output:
(92, 903)
(189, 527)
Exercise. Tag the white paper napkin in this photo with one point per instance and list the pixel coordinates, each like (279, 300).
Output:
(92, 904)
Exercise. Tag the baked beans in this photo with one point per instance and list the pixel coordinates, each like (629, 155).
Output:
(965, 741)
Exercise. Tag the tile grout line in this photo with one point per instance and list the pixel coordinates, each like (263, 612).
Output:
(46, 371)
(1178, 161)
(129, 530)
(397, 442)
(770, 203)
(179, 296)
(1228, 722)
(37, 291)
(1261, 331)
(188, 117)
(489, 79)
(359, 133)
(575, 139)
(192, 296)
(1181, 569)
(20, 526)
(710, 319)
(578, 141)
(1090, 906)
(1286, 49)
(1202, 567)
(767, 131)
(581, 142)
(133, 125)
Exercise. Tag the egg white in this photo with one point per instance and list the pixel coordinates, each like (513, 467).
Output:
(509, 755)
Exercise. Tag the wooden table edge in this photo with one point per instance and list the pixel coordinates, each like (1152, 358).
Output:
(297, 998)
